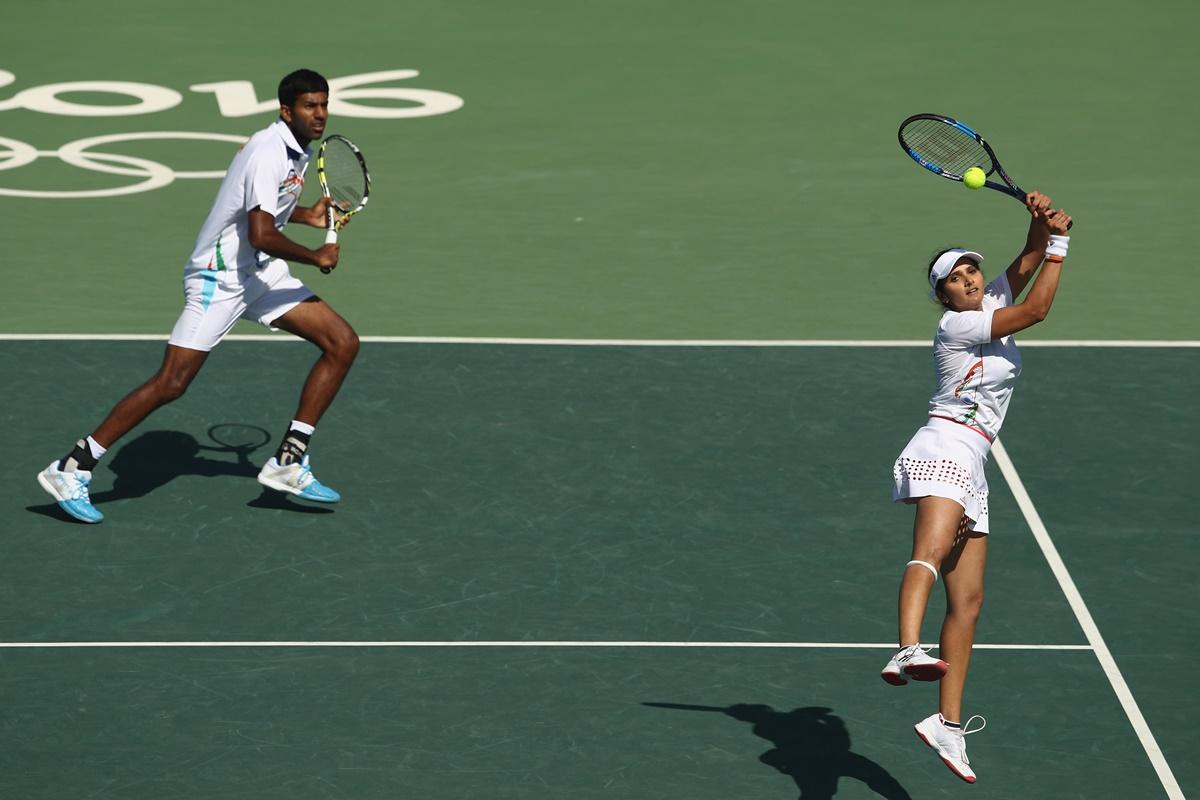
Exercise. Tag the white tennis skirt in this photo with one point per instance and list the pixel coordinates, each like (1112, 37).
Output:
(945, 459)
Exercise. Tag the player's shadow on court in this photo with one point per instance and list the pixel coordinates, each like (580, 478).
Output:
(811, 746)
(156, 458)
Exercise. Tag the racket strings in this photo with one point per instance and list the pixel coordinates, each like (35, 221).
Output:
(343, 176)
(946, 147)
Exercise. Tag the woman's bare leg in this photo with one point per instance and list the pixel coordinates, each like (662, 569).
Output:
(963, 573)
(934, 529)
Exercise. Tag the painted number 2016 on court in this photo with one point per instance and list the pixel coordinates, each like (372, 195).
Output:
(234, 99)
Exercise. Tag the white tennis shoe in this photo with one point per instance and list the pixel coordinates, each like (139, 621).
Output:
(949, 743)
(296, 478)
(70, 491)
(913, 662)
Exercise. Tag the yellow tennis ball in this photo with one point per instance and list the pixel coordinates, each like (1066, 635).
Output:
(974, 178)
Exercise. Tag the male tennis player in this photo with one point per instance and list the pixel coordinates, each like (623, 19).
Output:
(238, 269)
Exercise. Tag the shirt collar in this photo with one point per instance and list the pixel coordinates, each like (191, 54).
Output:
(289, 139)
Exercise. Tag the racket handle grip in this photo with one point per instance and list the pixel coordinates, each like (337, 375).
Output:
(331, 237)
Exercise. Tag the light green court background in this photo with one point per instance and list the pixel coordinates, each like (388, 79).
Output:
(636, 169)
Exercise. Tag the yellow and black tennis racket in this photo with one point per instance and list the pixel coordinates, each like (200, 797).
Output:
(345, 181)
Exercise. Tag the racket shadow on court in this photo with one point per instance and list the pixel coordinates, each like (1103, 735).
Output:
(811, 746)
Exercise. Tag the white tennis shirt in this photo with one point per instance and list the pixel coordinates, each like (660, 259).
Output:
(267, 173)
(975, 375)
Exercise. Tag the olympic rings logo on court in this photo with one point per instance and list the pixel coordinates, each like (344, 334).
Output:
(234, 99)
(15, 154)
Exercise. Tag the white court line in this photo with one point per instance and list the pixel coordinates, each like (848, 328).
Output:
(1103, 655)
(154, 337)
(523, 643)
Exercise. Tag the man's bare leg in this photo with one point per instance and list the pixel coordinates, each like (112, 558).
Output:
(67, 479)
(314, 321)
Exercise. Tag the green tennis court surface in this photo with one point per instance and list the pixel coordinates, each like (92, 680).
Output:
(550, 495)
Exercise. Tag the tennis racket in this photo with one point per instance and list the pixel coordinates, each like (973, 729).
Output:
(947, 147)
(342, 171)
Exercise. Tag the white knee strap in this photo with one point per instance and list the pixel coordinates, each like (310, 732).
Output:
(926, 565)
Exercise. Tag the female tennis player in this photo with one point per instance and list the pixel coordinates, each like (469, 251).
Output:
(941, 470)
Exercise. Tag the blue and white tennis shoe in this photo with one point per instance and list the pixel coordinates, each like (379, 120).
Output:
(70, 491)
(296, 478)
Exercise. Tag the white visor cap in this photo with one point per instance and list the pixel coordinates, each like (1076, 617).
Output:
(946, 261)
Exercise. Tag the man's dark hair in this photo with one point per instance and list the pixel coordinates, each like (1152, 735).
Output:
(302, 81)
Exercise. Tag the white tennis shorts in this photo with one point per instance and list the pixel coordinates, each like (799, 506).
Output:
(945, 459)
(213, 300)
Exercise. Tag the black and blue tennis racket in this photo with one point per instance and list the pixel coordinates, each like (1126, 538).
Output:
(947, 147)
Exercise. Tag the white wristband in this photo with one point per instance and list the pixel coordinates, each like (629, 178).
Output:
(1057, 246)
